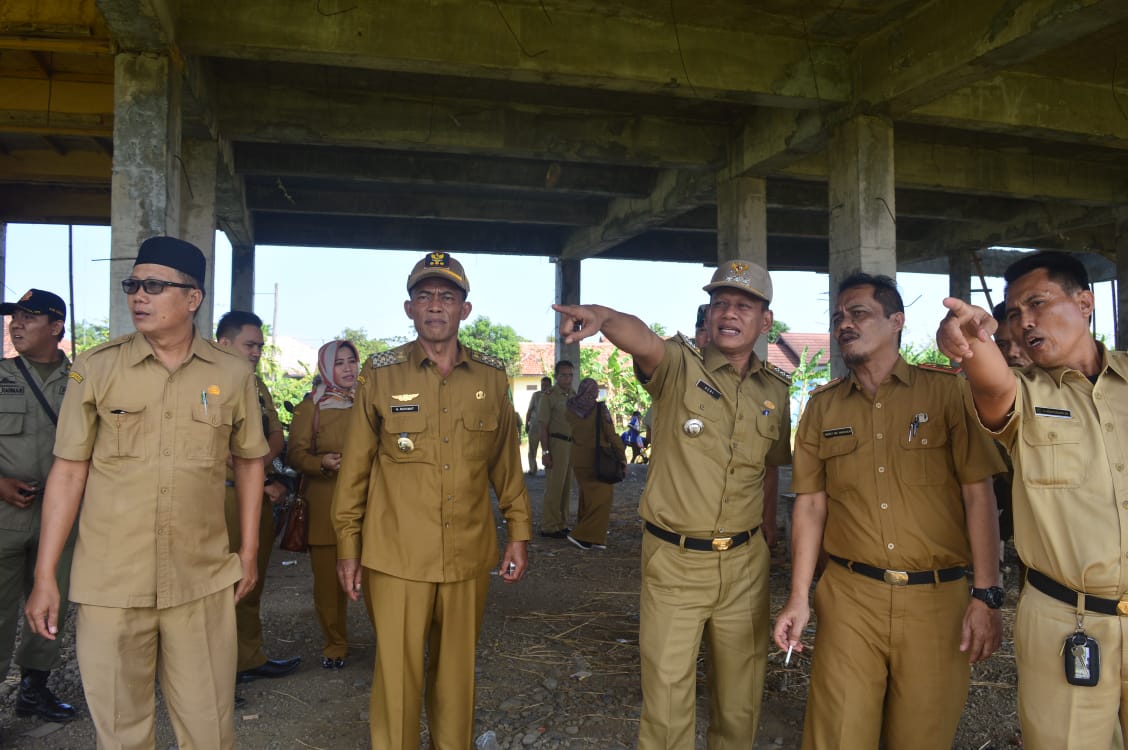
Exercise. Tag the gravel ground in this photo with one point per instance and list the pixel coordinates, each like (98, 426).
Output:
(557, 665)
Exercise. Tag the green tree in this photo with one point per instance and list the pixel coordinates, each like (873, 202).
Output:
(927, 354)
(778, 328)
(624, 393)
(88, 335)
(365, 346)
(500, 341)
(659, 329)
(807, 376)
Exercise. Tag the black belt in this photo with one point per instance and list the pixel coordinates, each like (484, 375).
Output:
(719, 544)
(558, 436)
(902, 577)
(1066, 595)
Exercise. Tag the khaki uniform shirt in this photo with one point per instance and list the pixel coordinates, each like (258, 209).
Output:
(27, 435)
(270, 424)
(533, 413)
(1071, 474)
(424, 511)
(712, 484)
(893, 497)
(318, 488)
(152, 531)
(553, 411)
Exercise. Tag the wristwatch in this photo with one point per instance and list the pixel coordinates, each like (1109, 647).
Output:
(993, 597)
(545, 453)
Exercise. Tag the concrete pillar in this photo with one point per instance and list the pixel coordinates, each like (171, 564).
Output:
(197, 215)
(862, 208)
(742, 227)
(145, 197)
(959, 276)
(1121, 324)
(243, 277)
(567, 293)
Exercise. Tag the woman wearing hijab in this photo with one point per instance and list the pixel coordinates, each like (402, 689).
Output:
(586, 414)
(317, 437)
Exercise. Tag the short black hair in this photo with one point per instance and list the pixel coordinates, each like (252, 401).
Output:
(233, 322)
(563, 363)
(999, 312)
(1063, 268)
(546, 378)
(884, 290)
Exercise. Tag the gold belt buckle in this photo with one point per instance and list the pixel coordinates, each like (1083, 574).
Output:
(1122, 607)
(896, 577)
(721, 543)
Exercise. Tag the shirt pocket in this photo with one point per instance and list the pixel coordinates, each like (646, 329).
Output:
(924, 458)
(12, 411)
(121, 433)
(481, 432)
(411, 426)
(837, 455)
(1052, 455)
(209, 433)
(707, 410)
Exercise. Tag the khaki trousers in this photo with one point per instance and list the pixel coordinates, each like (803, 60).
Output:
(594, 512)
(121, 652)
(331, 603)
(18, 552)
(534, 442)
(1055, 715)
(441, 620)
(247, 617)
(887, 664)
(688, 595)
(557, 487)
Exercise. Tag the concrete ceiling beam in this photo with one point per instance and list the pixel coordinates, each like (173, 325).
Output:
(675, 193)
(56, 106)
(139, 25)
(52, 204)
(520, 42)
(1052, 109)
(278, 114)
(47, 166)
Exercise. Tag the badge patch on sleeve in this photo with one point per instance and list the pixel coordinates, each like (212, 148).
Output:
(76, 377)
(1046, 411)
(838, 432)
(709, 389)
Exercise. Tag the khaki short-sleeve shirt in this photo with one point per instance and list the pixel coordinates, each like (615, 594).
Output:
(152, 531)
(1070, 460)
(893, 493)
(553, 411)
(711, 483)
(27, 435)
(422, 452)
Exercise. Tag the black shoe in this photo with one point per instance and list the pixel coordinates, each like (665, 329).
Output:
(561, 534)
(271, 668)
(35, 699)
(327, 663)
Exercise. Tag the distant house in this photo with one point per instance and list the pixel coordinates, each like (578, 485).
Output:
(538, 359)
(785, 352)
(10, 351)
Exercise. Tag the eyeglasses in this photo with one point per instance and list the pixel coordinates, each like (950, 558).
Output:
(151, 286)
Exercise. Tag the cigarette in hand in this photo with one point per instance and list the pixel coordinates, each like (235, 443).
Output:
(787, 659)
(512, 568)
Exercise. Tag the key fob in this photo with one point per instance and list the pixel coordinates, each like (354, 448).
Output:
(1082, 660)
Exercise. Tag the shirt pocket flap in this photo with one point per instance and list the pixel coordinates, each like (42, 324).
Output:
(768, 425)
(839, 445)
(411, 423)
(12, 410)
(480, 421)
(212, 414)
(923, 438)
(1049, 431)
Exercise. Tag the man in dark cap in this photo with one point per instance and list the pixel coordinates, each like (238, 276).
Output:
(432, 428)
(145, 429)
(721, 423)
(32, 385)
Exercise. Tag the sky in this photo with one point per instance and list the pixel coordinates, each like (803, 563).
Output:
(323, 291)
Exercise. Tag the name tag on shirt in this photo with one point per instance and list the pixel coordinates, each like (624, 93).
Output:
(1045, 411)
(838, 432)
(400, 408)
(708, 389)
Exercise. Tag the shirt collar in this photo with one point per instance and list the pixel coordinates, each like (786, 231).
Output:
(716, 360)
(139, 349)
(902, 371)
(1114, 361)
(417, 355)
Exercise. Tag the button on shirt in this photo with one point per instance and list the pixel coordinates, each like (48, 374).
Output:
(1065, 438)
(424, 512)
(712, 484)
(152, 531)
(893, 491)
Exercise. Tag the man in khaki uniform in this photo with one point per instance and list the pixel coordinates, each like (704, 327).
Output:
(242, 332)
(1060, 420)
(893, 478)
(432, 428)
(32, 385)
(721, 422)
(556, 453)
(144, 433)
(532, 427)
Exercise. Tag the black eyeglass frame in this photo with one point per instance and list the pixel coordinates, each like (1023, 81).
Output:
(151, 286)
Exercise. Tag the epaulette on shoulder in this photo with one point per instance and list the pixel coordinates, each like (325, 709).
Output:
(690, 344)
(779, 372)
(395, 356)
(825, 387)
(486, 359)
(931, 367)
(111, 344)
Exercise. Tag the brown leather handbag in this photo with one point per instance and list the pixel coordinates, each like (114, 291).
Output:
(295, 532)
(610, 458)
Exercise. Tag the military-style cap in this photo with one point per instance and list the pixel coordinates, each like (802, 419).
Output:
(701, 310)
(38, 302)
(743, 275)
(439, 265)
(169, 251)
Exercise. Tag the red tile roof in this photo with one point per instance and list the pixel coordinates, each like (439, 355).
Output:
(539, 357)
(10, 351)
(785, 353)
